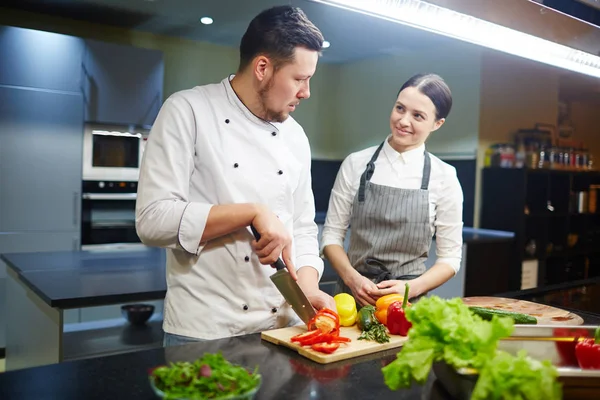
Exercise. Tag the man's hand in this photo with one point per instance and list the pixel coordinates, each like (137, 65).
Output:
(308, 280)
(275, 241)
(319, 299)
(363, 289)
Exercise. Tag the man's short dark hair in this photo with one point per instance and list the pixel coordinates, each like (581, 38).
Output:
(275, 33)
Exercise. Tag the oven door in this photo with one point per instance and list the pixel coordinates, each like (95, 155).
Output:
(112, 153)
(108, 218)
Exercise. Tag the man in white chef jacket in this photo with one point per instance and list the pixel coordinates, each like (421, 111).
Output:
(221, 157)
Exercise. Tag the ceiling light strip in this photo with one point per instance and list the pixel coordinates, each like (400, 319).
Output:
(464, 27)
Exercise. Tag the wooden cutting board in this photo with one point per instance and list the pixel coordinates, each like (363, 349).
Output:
(346, 350)
(546, 315)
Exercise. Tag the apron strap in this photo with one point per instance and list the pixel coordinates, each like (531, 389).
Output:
(366, 176)
(426, 172)
(368, 173)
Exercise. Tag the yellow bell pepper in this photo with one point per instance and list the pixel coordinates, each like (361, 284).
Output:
(346, 308)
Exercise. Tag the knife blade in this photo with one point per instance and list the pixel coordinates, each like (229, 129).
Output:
(289, 288)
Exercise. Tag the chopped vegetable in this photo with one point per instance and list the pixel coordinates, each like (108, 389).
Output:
(324, 329)
(588, 352)
(325, 320)
(373, 329)
(346, 307)
(326, 347)
(519, 377)
(396, 318)
(377, 333)
(209, 377)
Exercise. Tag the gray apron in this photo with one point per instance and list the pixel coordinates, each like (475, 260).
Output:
(390, 235)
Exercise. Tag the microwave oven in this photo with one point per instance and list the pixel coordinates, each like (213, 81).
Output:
(113, 152)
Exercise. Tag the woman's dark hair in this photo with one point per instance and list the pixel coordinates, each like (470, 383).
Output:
(434, 87)
(275, 33)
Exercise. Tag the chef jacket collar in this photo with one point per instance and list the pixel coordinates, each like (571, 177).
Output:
(235, 101)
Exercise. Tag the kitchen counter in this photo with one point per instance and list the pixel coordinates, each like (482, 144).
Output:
(90, 278)
(41, 286)
(286, 375)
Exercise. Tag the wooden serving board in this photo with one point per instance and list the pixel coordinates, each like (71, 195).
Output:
(546, 315)
(352, 349)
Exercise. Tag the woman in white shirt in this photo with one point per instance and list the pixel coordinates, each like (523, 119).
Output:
(395, 197)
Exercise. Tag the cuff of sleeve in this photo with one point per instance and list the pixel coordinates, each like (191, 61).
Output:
(327, 240)
(311, 262)
(191, 227)
(452, 262)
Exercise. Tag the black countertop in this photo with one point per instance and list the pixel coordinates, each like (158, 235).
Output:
(286, 375)
(88, 278)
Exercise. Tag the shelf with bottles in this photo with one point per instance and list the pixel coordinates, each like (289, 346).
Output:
(540, 149)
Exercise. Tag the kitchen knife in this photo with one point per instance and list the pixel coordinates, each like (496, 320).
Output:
(289, 288)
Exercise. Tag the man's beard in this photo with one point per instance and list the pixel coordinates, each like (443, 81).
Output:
(269, 114)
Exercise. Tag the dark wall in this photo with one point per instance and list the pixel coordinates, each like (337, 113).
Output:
(324, 173)
(465, 170)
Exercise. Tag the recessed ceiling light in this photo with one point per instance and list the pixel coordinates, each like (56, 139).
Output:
(326, 44)
(206, 20)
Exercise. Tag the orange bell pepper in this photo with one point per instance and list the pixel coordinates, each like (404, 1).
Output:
(382, 304)
(381, 315)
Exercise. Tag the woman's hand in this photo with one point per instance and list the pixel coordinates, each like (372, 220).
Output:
(363, 289)
(397, 286)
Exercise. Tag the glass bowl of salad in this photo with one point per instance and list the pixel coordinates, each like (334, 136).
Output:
(209, 377)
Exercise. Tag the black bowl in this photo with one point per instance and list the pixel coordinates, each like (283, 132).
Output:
(137, 314)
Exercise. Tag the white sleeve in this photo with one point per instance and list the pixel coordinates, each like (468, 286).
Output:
(339, 210)
(305, 228)
(164, 215)
(449, 223)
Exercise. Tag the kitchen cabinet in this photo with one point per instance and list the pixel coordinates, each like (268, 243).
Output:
(122, 84)
(36, 59)
(556, 224)
(41, 139)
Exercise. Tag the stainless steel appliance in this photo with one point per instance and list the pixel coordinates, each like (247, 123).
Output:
(108, 214)
(113, 152)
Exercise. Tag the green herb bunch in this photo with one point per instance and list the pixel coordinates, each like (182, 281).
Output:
(376, 331)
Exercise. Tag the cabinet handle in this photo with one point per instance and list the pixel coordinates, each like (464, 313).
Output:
(76, 201)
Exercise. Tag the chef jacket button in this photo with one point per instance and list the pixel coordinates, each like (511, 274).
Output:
(245, 307)
(227, 121)
(246, 258)
(274, 310)
(274, 133)
(280, 172)
(236, 165)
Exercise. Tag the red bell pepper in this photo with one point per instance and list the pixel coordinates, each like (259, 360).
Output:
(397, 323)
(324, 333)
(566, 349)
(327, 348)
(588, 352)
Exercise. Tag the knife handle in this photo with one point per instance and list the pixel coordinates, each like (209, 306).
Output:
(279, 265)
